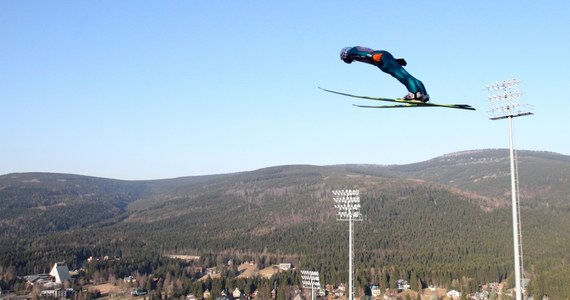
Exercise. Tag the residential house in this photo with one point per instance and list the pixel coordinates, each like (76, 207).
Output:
(339, 291)
(191, 297)
(376, 291)
(454, 294)
(495, 287)
(297, 295)
(138, 292)
(484, 295)
(39, 279)
(199, 270)
(211, 271)
(236, 293)
(402, 285)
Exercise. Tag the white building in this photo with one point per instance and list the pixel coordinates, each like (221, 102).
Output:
(454, 294)
(57, 293)
(60, 272)
(236, 293)
(375, 291)
(402, 285)
(191, 297)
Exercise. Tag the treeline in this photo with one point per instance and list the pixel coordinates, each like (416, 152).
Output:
(393, 242)
(554, 283)
(166, 278)
(411, 230)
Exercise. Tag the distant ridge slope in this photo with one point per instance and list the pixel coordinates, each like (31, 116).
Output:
(543, 176)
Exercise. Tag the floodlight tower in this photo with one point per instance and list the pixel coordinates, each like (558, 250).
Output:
(504, 106)
(348, 204)
(311, 281)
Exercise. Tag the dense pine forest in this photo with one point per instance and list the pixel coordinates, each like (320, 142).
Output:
(444, 222)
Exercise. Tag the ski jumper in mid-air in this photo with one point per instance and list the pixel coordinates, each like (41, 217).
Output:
(388, 64)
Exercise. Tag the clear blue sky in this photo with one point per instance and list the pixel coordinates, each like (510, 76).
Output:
(162, 89)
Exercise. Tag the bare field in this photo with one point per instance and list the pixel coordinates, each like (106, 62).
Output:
(109, 290)
(184, 257)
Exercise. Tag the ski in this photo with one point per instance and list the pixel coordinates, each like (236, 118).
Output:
(401, 103)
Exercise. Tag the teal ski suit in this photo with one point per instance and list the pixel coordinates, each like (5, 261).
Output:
(388, 64)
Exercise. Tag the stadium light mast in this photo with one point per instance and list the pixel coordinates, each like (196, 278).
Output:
(504, 106)
(348, 204)
(311, 281)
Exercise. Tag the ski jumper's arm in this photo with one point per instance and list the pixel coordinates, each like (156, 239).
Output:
(365, 55)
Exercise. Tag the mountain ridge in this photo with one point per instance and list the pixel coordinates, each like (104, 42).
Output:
(443, 218)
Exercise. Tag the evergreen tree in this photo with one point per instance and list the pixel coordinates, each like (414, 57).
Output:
(385, 280)
(414, 282)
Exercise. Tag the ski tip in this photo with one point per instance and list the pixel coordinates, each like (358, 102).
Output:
(466, 106)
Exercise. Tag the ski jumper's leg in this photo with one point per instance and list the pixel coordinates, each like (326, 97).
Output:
(389, 65)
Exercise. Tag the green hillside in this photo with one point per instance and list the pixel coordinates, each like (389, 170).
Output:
(443, 221)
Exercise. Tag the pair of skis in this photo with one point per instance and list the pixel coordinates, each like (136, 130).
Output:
(400, 103)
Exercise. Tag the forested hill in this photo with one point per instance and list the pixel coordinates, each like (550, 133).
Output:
(442, 219)
(37, 203)
(543, 176)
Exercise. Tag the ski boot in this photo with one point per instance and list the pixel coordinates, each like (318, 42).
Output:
(418, 96)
